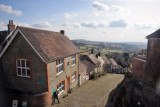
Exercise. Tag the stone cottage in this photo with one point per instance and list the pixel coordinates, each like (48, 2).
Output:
(37, 62)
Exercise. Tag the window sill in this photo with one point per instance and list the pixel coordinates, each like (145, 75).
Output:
(59, 73)
(60, 92)
(73, 65)
(73, 80)
(23, 76)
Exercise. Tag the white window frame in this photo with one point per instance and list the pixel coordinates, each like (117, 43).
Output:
(25, 67)
(58, 66)
(73, 60)
(73, 77)
(61, 88)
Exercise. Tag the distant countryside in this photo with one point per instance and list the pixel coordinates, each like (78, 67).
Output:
(109, 47)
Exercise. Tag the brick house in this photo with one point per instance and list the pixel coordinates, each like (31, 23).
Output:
(36, 62)
(147, 67)
(153, 56)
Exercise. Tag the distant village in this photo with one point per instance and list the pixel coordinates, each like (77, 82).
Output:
(34, 63)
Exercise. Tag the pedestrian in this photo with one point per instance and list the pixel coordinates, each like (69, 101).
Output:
(55, 96)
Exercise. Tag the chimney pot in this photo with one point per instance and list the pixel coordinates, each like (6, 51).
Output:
(11, 26)
(11, 22)
(62, 32)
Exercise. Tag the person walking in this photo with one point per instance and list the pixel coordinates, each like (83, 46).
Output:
(55, 96)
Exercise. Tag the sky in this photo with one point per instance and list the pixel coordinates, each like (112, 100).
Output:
(95, 20)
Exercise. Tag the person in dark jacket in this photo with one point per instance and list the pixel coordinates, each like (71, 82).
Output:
(55, 96)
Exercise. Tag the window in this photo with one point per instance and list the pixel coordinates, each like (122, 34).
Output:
(59, 65)
(73, 76)
(73, 60)
(61, 87)
(23, 67)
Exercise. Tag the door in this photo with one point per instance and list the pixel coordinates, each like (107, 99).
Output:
(68, 84)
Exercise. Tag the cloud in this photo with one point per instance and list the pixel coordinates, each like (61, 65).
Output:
(96, 13)
(143, 26)
(118, 23)
(116, 8)
(3, 26)
(21, 24)
(93, 24)
(42, 25)
(68, 16)
(100, 6)
(75, 25)
(8, 9)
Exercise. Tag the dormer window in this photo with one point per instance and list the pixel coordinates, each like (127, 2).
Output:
(73, 60)
(23, 67)
(59, 66)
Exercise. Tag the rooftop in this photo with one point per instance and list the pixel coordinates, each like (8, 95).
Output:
(50, 45)
(155, 34)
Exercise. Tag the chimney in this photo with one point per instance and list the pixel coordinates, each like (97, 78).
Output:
(96, 55)
(62, 32)
(11, 26)
(99, 54)
(92, 51)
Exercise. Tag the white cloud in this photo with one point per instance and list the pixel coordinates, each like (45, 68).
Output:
(8, 9)
(108, 12)
(21, 24)
(75, 25)
(42, 25)
(100, 6)
(115, 8)
(3, 26)
(143, 26)
(96, 13)
(118, 23)
(68, 16)
(94, 24)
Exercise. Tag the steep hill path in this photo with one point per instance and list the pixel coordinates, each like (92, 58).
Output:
(93, 93)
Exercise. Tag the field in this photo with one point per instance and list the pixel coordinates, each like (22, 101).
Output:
(85, 50)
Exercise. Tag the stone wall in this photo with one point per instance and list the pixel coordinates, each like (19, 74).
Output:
(134, 93)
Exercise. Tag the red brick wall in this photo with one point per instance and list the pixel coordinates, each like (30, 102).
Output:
(139, 68)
